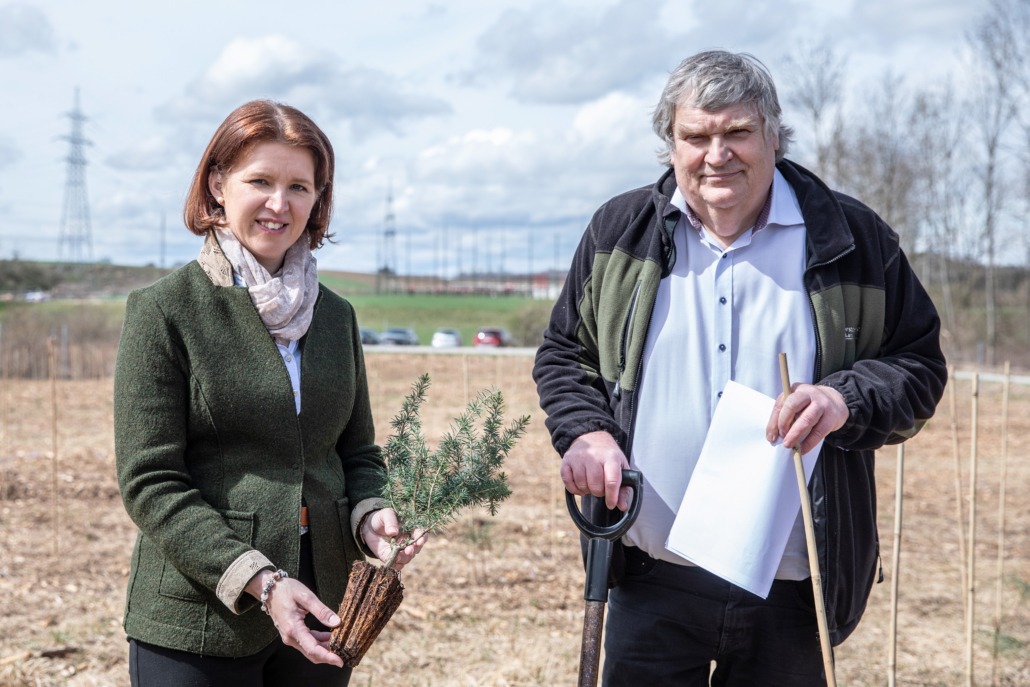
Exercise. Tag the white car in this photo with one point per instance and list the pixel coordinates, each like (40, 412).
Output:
(445, 337)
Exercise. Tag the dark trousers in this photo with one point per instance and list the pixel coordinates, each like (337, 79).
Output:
(277, 665)
(667, 623)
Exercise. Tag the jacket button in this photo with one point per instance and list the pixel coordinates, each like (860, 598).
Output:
(722, 347)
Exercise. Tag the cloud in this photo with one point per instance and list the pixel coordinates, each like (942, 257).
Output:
(556, 55)
(932, 20)
(507, 197)
(23, 29)
(149, 154)
(9, 153)
(506, 176)
(316, 81)
(365, 100)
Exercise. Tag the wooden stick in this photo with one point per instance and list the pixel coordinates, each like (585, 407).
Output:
(971, 575)
(1001, 522)
(465, 375)
(3, 417)
(892, 653)
(958, 493)
(813, 552)
(53, 442)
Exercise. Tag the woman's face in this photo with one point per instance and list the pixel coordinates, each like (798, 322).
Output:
(268, 196)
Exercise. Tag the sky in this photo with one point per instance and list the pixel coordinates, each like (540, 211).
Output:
(494, 128)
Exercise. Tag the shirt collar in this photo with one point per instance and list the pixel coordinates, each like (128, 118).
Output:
(781, 207)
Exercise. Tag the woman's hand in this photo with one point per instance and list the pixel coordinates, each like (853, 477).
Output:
(380, 528)
(289, 603)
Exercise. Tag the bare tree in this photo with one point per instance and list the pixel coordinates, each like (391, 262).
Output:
(1018, 19)
(876, 158)
(814, 78)
(996, 53)
(941, 192)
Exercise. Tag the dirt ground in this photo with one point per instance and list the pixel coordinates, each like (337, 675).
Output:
(498, 601)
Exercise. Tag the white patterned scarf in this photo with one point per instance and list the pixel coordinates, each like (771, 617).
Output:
(286, 300)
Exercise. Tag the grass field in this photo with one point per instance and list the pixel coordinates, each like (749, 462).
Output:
(100, 320)
(426, 312)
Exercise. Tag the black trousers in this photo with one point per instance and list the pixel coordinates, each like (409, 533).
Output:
(277, 665)
(667, 623)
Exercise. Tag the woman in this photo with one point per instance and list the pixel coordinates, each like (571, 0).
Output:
(243, 428)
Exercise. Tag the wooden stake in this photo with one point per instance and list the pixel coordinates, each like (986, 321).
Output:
(555, 505)
(465, 372)
(3, 417)
(892, 653)
(53, 443)
(1001, 522)
(971, 575)
(377, 385)
(958, 493)
(813, 552)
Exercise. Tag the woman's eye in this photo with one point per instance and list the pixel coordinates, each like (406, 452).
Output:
(299, 187)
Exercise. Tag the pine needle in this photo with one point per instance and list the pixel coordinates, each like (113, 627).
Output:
(427, 488)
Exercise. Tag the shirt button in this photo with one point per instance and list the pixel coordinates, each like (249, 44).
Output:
(723, 300)
(288, 358)
(722, 347)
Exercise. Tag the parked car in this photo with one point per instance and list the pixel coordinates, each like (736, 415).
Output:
(399, 336)
(445, 337)
(369, 336)
(492, 336)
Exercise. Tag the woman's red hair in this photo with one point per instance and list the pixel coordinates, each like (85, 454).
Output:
(261, 121)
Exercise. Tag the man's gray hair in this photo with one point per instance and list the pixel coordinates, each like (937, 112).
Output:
(714, 80)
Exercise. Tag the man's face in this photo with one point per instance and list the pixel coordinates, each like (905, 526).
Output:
(724, 166)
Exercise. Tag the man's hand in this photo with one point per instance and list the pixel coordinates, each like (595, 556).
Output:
(807, 416)
(593, 465)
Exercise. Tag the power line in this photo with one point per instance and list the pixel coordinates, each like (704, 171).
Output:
(388, 268)
(75, 242)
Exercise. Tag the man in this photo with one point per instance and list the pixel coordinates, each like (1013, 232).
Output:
(734, 255)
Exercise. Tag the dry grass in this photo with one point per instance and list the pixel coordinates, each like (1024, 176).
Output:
(492, 601)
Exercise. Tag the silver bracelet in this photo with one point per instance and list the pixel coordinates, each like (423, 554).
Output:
(269, 583)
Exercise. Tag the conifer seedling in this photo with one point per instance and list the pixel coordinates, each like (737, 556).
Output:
(427, 489)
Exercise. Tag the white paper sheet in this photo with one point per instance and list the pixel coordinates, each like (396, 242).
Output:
(742, 499)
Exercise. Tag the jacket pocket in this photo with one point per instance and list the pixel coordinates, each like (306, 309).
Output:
(175, 585)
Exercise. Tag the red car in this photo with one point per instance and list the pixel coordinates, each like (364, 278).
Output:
(492, 336)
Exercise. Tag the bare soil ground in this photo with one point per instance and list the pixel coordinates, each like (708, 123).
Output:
(498, 601)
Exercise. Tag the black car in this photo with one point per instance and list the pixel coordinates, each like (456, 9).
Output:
(369, 336)
(399, 336)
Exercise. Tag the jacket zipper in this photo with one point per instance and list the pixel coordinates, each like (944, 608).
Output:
(817, 374)
(624, 344)
(633, 397)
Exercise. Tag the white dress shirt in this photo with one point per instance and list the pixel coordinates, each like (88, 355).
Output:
(722, 314)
